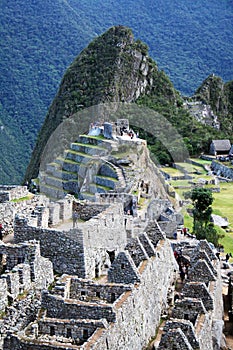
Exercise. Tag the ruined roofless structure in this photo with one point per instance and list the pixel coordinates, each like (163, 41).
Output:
(106, 282)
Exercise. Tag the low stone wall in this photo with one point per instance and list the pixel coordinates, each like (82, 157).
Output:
(12, 342)
(70, 328)
(56, 307)
(87, 211)
(88, 290)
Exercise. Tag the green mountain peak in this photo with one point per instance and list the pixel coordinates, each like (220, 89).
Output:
(113, 68)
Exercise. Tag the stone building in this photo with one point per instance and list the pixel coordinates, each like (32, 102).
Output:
(196, 321)
(219, 147)
(120, 309)
(22, 267)
(115, 271)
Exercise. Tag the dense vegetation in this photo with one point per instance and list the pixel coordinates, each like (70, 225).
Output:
(202, 200)
(40, 39)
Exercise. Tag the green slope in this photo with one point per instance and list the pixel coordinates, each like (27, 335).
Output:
(39, 39)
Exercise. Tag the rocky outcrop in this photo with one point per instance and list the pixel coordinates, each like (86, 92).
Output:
(203, 113)
(219, 96)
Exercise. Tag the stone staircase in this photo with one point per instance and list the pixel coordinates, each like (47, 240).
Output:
(83, 170)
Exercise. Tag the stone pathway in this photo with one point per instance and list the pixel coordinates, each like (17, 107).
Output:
(68, 225)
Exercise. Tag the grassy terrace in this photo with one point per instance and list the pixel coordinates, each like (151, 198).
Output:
(222, 204)
(107, 178)
(21, 199)
(78, 153)
(100, 137)
(201, 161)
(223, 201)
(172, 171)
(88, 145)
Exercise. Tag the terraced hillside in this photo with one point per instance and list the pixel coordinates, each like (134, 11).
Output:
(83, 170)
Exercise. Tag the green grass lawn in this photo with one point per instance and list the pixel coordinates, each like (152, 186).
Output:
(201, 161)
(223, 202)
(177, 183)
(222, 205)
(190, 168)
(188, 220)
(172, 171)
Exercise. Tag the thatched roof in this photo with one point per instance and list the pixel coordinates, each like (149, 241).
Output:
(222, 145)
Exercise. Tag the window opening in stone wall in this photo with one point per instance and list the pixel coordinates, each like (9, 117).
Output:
(10, 300)
(107, 346)
(186, 316)
(122, 266)
(83, 292)
(52, 330)
(97, 271)
(20, 260)
(85, 334)
(113, 297)
(98, 294)
(111, 255)
(68, 333)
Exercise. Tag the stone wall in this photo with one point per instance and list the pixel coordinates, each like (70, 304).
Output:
(3, 294)
(103, 235)
(57, 307)
(75, 329)
(88, 290)
(222, 170)
(9, 209)
(200, 300)
(138, 314)
(79, 251)
(23, 265)
(8, 193)
(87, 210)
(63, 248)
(12, 342)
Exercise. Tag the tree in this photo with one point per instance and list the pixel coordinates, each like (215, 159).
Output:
(202, 199)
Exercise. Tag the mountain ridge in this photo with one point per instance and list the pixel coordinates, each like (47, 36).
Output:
(113, 68)
(39, 40)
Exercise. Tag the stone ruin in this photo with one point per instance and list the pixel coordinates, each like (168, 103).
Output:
(114, 287)
(8, 193)
(107, 310)
(197, 316)
(106, 282)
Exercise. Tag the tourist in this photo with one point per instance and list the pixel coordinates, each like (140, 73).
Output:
(182, 275)
(75, 218)
(227, 257)
(1, 231)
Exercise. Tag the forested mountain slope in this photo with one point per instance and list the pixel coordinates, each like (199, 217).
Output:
(117, 68)
(39, 39)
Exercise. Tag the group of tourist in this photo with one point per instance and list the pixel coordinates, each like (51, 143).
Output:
(130, 133)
